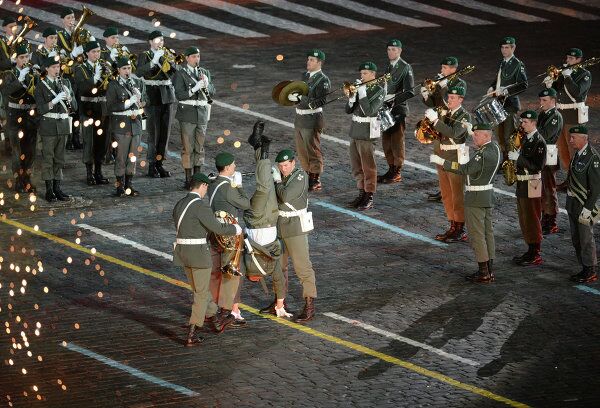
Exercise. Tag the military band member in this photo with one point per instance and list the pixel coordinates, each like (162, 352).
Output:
(55, 104)
(309, 124)
(125, 101)
(193, 88)
(161, 107)
(530, 160)
(18, 85)
(9, 25)
(364, 130)
(113, 48)
(48, 49)
(293, 225)
(479, 197)
(193, 220)
(549, 125)
(399, 90)
(452, 125)
(510, 81)
(582, 195)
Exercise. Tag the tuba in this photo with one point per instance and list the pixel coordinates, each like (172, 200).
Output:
(170, 58)
(230, 244)
(424, 130)
(28, 25)
(80, 35)
(509, 167)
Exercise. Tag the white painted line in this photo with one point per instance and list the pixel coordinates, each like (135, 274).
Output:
(402, 339)
(502, 12)
(129, 20)
(565, 11)
(130, 370)
(193, 18)
(436, 11)
(321, 15)
(382, 14)
(259, 17)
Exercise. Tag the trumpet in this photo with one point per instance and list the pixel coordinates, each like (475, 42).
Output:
(107, 73)
(123, 51)
(170, 58)
(509, 167)
(349, 89)
(430, 83)
(553, 72)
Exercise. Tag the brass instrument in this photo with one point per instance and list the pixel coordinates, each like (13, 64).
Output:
(170, 58)
(79, 35)
(122, 53)
(349, 88)
(28, 25)
(424, 130)
(430, 83)
(509, 167)
(230, 243)
(108, 73)
(35, 74)
(281, 91)
(553, 72)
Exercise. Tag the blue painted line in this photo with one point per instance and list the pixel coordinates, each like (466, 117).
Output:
(130, 370)
(169, 153)
(379, 223)
(588, 289)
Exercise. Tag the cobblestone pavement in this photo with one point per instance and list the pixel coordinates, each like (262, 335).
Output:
(397, 325)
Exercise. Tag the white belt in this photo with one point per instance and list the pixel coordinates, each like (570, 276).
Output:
(93, 99)
(19, 106)
(191, 241)
(524, 177)
(479, 188)
(308, 111)
(262, 236)
(451, 147)
(193, 102)
(289, 214)
(157, 83)
(56, 115)
(361, 119)
(570, 105)
(129, 112)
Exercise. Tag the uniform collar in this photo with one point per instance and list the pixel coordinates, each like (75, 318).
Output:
(580, 152)
(226, 177)
(550, 110)
(452, 112)
(508, 60)
(311, 74)
(531, 134)
(198, 194)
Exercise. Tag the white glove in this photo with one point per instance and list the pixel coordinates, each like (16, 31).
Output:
(585, 217)
(113, 53)
(77, 51)
(131, 101)
(503, 91)
(434, 158)
(513, 155)
(196, 88)
(490, 91)
(443, 83)
(238, 229)
(157, 55)
(60, 97)
(276, 174)
(282, 312)
(431, 115)
(469, 127)
(52, 54)
(237, 178)
(424, 92)
(97, 73)
(352, 99)
(23, 74)
(294, 97)
(362, 92)
(566, 72)
(548, 81)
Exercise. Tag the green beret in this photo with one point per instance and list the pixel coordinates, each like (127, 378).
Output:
(394, 43)
(575, 52)
(368, 65)
(122, 61)
(110, 31)
(285, 154)
(65, 12)
(22, 49)
(201, 177)
(49, 61)
(452, 61)
(91, 45)
(548, 92)
(508, 40)
(457, 90)
(482, 126)
(529, 114)
(581, 129)
(155, 34)
(316, 53)
(224, 159)
(8, 20)
(191, 51)
(49, 31)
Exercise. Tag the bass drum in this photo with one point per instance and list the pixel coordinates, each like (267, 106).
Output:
(386, 119)
(490, 111)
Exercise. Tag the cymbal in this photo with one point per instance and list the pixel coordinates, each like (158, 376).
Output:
(277, 89)
(299, 87)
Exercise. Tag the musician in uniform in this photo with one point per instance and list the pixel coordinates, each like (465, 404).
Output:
(549, 125)
(156, 73)
(55, 103)
(125, 101)
(452, 127)
(582, 195)
(510, 81)
(400, 88)
(479, 197)
(48, 49)
(530, 160)
(113, 48)
(194, 219)
(193, 88)
(9, 25)
(363, 105)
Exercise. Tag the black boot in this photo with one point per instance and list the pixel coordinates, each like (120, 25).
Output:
(77, 145)
(188, 178)
(89, 171)
(435, 197)
(60, 195)
(19, 185)
(255, 138)
(223, 319)
(100, 179)
(491, 269)
(153, 171)
(386, 174)
(587, 275)
(192, 338)
(129, 190)
(550, 227)
(532, 256)
(120, 187)
(308, 312)
(314, 182)
(367, 202)
(484, 275)
(270, 309)
(161, 171)
(356, 202)
(459, 234)
(394, 176)
(443, 237)
(27, 184)
(265, 143)
(197, 169)
(50, 196)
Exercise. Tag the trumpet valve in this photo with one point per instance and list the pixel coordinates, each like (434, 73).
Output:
(553, 72)
(430, 85)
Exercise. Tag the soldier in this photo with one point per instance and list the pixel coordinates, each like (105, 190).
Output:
(55, 103)
(399, 90)
(529, 161)
(157, 74)
(363, 132)
(294, 224)
(582, 195)
(452, 126)
(510, 81)
(18, 85)
(479, 197)
(309, 123)
(91, 94)
(48, 49)
(226, 194)
(9, 25)
(549, 125)
(194, 219)
(437, 100)
(113, 48)
(193, 90)
(125, 100)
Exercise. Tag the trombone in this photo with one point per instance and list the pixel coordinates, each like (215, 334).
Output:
(553, 72)
(349, 88)
(13, 42)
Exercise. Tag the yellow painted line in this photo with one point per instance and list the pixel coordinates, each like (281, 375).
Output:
(333, 339)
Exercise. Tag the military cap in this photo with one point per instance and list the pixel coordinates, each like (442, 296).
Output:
(201, 177)
(49, 61)
(482, 126)
(8, 20)
(155, 34)
(285, 154)
(22, 48)
(548, 92)
(191, 51)
(575, 52)
(224, 159)
(49, 31)
(316, 53)
(529, 114)
(581, 129)
(394, 43)
(122, 61)
(91, 45)
(367, 65)
(452, 61)
(66, 11)
(457, 90)
(110, 31)
(508, 40)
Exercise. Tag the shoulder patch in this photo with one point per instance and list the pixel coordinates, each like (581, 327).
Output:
(477, 157)
(587, 77)
(554, 121)
(300, 176)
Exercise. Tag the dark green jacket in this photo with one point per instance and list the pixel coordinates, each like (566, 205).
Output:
(43, 97)
(578, 84)
(401, 84)
(16, 92)
(157, 95)
(226, 197)
(549, 125)
(116, 95)
(184, 81)
(84, 84)
(512, 72)
(5, 62)
(293, 189)
(584, 177)
(318, 85)
(263, 211)
(453, 131)
(440, 94)
(365, 107)
(532, 159)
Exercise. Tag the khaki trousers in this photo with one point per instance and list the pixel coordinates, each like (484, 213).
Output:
(53, 156)
(225, 289)
(453, 196)
(203, 305)
(530, 212)
(549, 197)
(127, 147)
(393, 144)
(192, 144)
(364, 168)
(481, 232)
(308, 146)
(297, 249)
(565, 151)
(505, 129)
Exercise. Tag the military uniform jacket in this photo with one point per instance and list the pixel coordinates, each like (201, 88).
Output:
(512, 72)
(183, 81)
(196, 223)
(401, 84)
(105, 54)
(293, 189)
(363, 108)
(38, 56)
(263, 211)
(43, 96)
(64, 41)
(5, 62)
(451, 127)
(161, 94)
(84, 84)
(226, 197)
(578, 85)
(439, 96)
(532, 159)
(549, 125)
(116, 95)
(480, 171)
(584, 178)
(16, 92)
(318, 85)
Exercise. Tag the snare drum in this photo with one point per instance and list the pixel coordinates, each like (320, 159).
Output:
(490, 111)
(386, 119)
